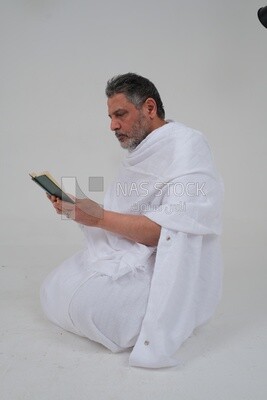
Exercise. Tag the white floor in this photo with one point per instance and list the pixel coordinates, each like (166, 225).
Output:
(224, 360)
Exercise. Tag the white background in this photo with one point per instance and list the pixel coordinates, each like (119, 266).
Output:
(208, 60)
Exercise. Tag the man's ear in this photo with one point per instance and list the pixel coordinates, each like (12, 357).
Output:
(150, 107)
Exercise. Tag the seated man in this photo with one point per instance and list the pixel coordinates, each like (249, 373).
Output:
(151, 270)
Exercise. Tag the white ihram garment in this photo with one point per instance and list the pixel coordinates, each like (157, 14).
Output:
(124, 294)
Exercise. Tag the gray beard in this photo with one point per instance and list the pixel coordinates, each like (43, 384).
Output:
(134, 142)
(139, 132)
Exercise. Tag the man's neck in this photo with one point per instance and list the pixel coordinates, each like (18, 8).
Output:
(157, 123)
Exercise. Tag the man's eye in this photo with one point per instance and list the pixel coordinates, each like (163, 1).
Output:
(121, 114)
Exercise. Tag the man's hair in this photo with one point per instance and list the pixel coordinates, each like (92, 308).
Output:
(137, 89)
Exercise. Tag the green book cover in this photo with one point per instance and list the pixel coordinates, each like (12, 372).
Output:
(48, 183)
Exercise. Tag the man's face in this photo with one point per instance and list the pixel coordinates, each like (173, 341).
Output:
(131, 125)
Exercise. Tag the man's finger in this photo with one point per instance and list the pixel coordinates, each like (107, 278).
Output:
(51, 197)
(57, 206)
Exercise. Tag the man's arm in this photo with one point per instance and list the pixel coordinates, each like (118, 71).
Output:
(137, 228)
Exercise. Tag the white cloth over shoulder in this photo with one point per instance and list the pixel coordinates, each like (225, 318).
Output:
(170, 177)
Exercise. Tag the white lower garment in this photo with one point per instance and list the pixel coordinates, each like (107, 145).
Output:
(97, 306)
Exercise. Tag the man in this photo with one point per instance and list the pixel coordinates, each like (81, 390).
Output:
(151, 271)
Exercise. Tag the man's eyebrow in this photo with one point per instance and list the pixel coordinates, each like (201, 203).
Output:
(119, 110)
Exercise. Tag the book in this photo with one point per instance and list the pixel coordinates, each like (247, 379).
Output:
(46, 181)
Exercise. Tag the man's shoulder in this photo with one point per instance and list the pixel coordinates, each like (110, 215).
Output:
(177, 133)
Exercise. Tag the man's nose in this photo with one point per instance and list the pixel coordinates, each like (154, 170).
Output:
(114, 125)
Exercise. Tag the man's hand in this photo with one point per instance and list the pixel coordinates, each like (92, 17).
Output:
(84, 211)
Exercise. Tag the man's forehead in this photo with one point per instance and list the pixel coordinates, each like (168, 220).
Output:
(118, 101)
